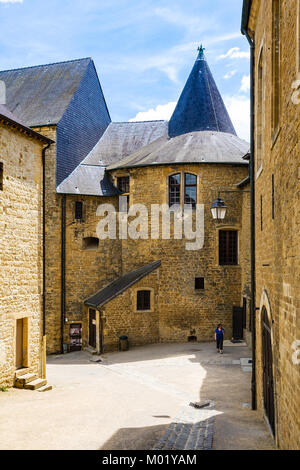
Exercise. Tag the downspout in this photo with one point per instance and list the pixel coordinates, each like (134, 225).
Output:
(252, 217)
(44, 261)
(63, 271)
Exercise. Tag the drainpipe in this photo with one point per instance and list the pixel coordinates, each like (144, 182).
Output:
(63, 271)
(44, 261)
(252, 220)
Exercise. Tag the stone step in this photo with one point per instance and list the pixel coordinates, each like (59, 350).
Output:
(44, 388)
(25, 379)
(20, 372)
(35, 384)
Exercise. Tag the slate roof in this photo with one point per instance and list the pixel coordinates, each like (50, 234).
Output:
(194, 147)
(200, 106)
(120, 285)
(90, 180)
(40, 95)
(119, 140)
(7, 117)
(123, 138)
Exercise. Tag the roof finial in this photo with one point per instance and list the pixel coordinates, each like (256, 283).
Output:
(201, 50)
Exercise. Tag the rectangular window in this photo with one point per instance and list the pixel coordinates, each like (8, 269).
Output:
(174, 190)
(273, 198)
(228, 247)
(276, 64)
(260, 113)
(298, 37)
(78, 210)
(199, 283)
(143, 300)
(261, 213)
(1, 176)
(190, 189)
(123, 184)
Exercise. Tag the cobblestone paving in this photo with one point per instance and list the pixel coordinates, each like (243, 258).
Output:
(192, 429)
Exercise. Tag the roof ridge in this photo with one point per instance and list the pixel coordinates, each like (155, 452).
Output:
(134, 122)
(46, 65)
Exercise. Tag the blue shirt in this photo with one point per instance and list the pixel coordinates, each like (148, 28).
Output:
(220, 333)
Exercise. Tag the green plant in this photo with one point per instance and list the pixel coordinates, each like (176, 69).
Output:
(3, 389)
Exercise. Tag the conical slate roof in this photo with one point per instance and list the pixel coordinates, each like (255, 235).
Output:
(200, 106)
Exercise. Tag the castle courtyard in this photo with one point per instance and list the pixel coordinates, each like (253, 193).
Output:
(139, 399)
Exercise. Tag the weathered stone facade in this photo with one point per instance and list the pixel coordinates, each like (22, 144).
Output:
(277, 207)
(20, 252)
(180, 311)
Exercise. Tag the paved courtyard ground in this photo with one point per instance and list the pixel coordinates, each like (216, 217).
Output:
(138, 399)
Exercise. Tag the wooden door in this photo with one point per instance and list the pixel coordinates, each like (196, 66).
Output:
(19, 344)
(237, 322)
(92, 328)
(268, 383)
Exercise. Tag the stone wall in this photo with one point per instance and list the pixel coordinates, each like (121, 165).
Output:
(87, 270)
(278, 221)
(53, 247)
(20, 250)
(119, 316)
(183, 311)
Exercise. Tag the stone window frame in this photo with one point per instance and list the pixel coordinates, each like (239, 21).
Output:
(276, 9)
(182, 185)
(78, 219)
(259, 127)
(124, 174)
(237, 229)
(298, 40)
(152, 307)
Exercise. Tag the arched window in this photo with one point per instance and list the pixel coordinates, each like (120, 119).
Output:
(174, 189)
(190, 189)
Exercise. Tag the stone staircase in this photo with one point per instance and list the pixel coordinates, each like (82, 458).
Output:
(29, 381)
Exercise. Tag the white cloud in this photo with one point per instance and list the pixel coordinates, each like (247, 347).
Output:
(245, 86)
(235, 53)
(162, 111)
(238, 108)
(230, 74)
(11, 1)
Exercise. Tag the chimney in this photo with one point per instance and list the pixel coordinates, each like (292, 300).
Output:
(2, 92)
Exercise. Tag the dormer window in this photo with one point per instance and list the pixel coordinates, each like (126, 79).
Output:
(123, 184)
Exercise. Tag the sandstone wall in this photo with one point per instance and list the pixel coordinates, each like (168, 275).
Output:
(278, 233)
(20, 250)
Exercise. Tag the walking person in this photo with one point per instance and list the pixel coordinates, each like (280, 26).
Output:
(219, 337)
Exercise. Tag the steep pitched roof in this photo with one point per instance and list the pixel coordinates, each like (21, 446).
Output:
(194, 147)
(120, 285)
(123, 138)
(200, 106)
(40, 95)
(8, 118)
(118, 141)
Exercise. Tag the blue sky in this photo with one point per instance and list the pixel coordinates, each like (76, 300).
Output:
(143, 50)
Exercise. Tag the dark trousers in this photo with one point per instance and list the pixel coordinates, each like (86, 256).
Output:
(220, 342)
